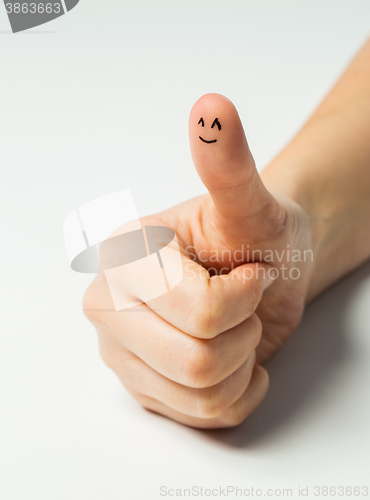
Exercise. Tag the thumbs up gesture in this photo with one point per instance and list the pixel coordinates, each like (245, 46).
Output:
(195, 353)
(240, 215)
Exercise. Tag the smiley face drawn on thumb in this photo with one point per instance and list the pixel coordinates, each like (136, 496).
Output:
(217, 123)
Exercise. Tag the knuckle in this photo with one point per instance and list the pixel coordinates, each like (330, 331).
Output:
(97, 298)
(232, 417)
(256, 330)
(113, 356)
(93, 302)
(264, 378)
(254, 295)
(205, 318)
(109, 357)
(211, 403)
(200, 367)
(143, 400)
(89, 303)
(238, 412)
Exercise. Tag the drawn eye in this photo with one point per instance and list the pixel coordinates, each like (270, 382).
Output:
(216, 122)
(201, 121)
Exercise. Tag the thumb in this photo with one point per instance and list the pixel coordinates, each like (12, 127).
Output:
(225, 164)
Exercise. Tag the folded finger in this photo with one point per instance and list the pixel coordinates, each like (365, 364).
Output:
(203, 403)
(231, 417)
(178, 356)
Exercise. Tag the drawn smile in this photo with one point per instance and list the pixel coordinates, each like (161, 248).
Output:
(214, 124)
(207, 142)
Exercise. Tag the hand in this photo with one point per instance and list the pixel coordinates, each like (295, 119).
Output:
(194, 353)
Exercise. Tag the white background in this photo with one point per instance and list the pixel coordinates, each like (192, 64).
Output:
(96, 101)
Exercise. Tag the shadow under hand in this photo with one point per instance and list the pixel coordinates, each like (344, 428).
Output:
(316, 351)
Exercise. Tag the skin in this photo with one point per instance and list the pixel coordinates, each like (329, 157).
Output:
(195, 354)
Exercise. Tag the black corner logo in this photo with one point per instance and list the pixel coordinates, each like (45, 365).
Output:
(26, 14)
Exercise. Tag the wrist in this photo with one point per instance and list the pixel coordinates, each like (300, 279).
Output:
(312, 174)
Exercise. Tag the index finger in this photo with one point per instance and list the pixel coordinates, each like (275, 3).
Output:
(198, 304)
(204, 306)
